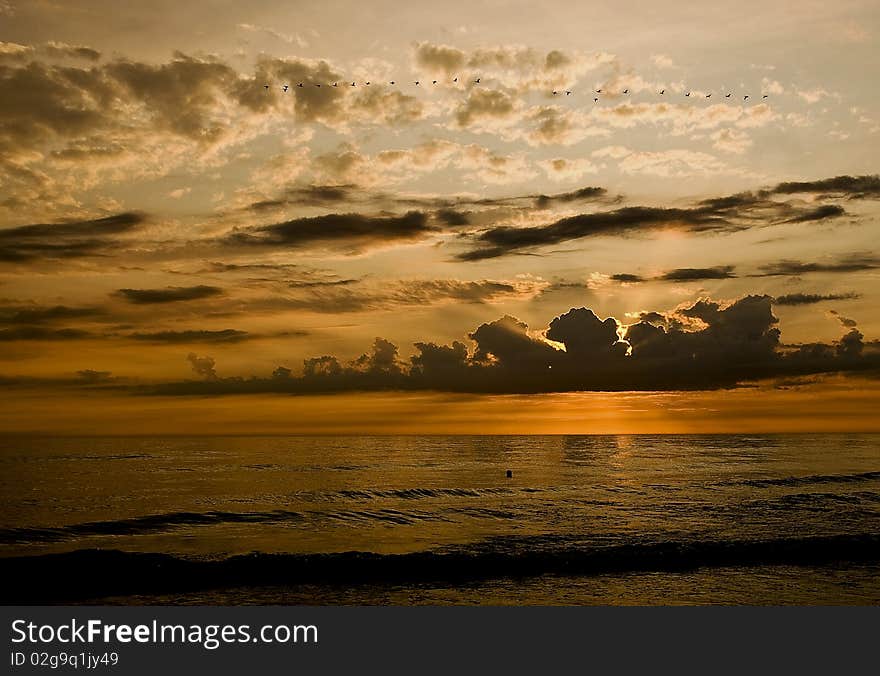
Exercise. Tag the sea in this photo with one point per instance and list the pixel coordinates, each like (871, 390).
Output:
(412, 520)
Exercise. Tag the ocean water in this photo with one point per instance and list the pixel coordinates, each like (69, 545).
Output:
(639, 519)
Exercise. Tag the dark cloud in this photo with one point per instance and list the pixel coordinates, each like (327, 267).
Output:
(502, 240)
(42, 333)
(170, 294)
(65, 239)
(820, 213)
(707, 345)
(193, 336)
(697, 274)
(851, 263)
(582, 194)
(812, 298)
(848, 186)
(93, 376)
(307, 195)
(725, 214)
(35, 314)
(452, 217)
(355, 230)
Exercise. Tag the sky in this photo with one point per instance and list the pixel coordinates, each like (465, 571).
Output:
(549, 217)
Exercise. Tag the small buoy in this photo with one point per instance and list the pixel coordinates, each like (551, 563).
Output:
(510, 474)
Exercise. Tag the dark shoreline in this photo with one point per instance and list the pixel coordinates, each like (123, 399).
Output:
(92, 574)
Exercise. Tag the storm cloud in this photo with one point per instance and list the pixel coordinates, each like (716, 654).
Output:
(706, 345)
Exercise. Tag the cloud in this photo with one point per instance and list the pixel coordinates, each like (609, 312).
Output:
(37, 314)
(344, 296)
(202, 366)
(696, 274)
(34, 333)
(662, 61)
(170, 294)
(801, 298)
(731, 141)
(705, 345)
(501, 240)
(730, 213)
(64, 50)
(820, 213)
(854, 187)
(193, 336)
(561, 169)
(850, 263)
(356, 231)
(679, 275)
(69, 239)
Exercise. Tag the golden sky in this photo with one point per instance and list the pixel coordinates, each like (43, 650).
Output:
(585, 217)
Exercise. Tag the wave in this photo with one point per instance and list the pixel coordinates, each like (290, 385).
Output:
(811, 479)
(95, 574)
(155, 523)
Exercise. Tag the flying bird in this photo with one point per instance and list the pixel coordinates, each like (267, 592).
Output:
(709, 95)
(392, 82)
(727, 96)
(598, 91)
(745, 98)
(317, 84)
(626, 91)
(568, 92)
(596, 100)
(353, 84)
(300, 84)
(765, 96)
(434, 82)
(688, 94)
(477, 81)
(285, 87)
(455, 79)
(266, 86)
(555, 92)
(662, 91)
(417, 82)
(335, 84)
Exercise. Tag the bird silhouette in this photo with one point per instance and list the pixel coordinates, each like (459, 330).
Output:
(285, 87)
(317, 84)
(353, 84)
(626, 91)
(455, 79)
(662, 91)
(596, 100)
(335, 84)
(688, 94)
(300, 84)
(727, 96)
(477, 81)
(765, 96)
(709, 96)
(568, 92)
(434, 82)
(598, 91)
(555, 92)
(266, 86)
(746, 97)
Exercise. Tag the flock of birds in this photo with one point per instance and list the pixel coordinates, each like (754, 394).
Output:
(555, 92)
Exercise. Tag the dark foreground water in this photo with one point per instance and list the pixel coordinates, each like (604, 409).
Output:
(584, 519)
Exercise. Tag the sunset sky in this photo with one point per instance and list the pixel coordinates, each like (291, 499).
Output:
(186, 250)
